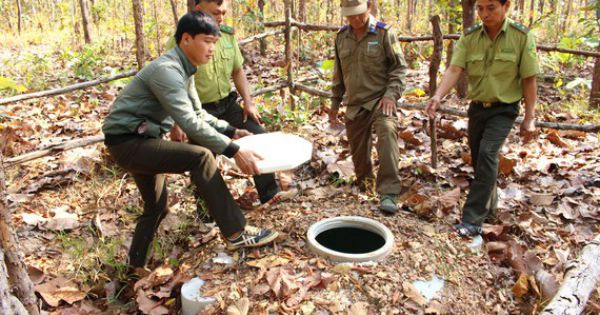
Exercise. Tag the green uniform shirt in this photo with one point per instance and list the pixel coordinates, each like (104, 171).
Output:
(495, 68)
(213, 79)
(162, 93)
(365, 70)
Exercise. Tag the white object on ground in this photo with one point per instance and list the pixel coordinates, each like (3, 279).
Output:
(281, 151)
(476, 243)
(223, 259)
(428, 289)
(192, 300)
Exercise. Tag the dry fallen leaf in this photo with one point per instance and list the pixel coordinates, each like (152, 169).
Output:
(521, 287)
(60, 289)
(268, 262)
(412, 293)
(240, 307)
(360, 308)
(149, 306)
(538, 199)
(282, 281)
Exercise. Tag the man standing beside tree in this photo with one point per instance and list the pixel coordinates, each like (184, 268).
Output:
(500, 59)
(368, 79)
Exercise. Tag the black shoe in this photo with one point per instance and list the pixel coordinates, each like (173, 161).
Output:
(252, 237)
(467, 229)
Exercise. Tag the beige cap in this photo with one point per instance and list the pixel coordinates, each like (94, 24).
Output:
(353, 7)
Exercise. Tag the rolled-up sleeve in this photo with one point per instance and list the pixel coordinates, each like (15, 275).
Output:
(397, 66)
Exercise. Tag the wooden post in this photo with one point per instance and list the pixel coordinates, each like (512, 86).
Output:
(288, 52)
(581, 277)
(595, 90)
(434, 67)
(17, 272)
(85, 21)
(138, 17)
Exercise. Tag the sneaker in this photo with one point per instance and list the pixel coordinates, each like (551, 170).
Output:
(388, 204)
(252, 237)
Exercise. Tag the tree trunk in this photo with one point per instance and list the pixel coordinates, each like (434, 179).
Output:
(263, 41)
(302, 10)
(375, 8)
(17, 272)
(288, 52)
(191, 5)
(468, 16)
(580, 280)
(450, 49)
(156, 25)
(531, 12)
(19, 17)
(565, 25)
(541, 8)
(434, 67)
(174, 10)
(9, 304)
(595, 92)
(85, 21)
(409, 13)
(521, 6)
(138, 17)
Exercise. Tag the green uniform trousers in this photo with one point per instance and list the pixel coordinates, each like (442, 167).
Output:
(359, 131)
(229, 110)
(488, 129)
(147, 160)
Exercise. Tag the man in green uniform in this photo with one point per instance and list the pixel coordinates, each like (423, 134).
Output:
(500, 59)
(368, 79)
(215, 93)
(161, 94)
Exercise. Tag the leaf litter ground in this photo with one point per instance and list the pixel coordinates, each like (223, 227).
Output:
(75, 215)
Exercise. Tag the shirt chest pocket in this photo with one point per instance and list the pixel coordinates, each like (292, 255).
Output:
(504, 63)
(475, 65)
(227, 52)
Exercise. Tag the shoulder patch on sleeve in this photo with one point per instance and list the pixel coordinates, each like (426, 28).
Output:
(343, 28)
(227, 29)
(472, 29)
(522, 28)
(383, 25)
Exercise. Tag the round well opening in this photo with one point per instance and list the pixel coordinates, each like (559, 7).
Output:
(350, 239)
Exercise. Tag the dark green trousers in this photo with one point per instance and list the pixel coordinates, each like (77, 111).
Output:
(229, 110)
(147, 160)
(488, 129)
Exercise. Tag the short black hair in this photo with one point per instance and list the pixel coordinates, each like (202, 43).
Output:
(197, 22)
(218, 2)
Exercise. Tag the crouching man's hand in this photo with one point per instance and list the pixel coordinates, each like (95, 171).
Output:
(246, 160)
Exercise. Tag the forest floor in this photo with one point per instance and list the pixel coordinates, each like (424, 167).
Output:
(75, 214)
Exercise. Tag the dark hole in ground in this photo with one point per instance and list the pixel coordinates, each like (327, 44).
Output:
(350, 240)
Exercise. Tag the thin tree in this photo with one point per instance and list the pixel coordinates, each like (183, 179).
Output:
(174, 9)
(375, 8)
(468, 19)
(19, 17)
(85, 21)
(191, 4)
(531, 12)
(9, 244)
(595, 91)
(138, 17)
(263, 41)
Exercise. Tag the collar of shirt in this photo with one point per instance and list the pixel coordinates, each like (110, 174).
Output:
(371, 27)
(188, 67)
(502, 29)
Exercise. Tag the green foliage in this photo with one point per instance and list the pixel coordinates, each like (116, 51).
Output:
(6, 83)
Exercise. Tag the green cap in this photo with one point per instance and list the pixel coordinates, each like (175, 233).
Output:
(353, 7)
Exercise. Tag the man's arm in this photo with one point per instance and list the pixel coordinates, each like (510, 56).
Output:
(396, 73)
(243, 87)
(530, 96)
(337, 86)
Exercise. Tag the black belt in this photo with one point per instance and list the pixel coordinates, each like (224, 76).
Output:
(214, 105)
(493, 104)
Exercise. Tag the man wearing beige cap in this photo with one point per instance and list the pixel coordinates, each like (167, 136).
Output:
(368, 79)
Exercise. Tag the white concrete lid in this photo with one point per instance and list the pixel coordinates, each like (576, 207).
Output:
(281, 151)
